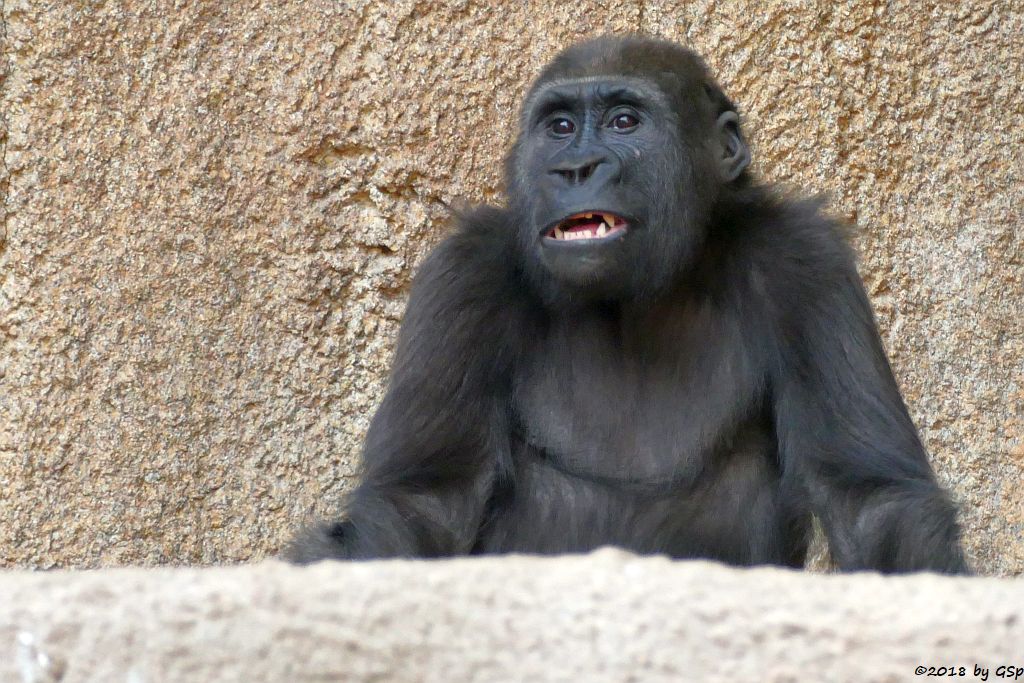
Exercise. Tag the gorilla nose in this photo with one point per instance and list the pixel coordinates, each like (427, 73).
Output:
(579, 171)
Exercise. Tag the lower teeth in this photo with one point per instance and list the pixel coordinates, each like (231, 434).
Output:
(601, 231)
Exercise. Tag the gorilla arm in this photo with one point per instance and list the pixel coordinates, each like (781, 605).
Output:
(434, 444)
(846, 440)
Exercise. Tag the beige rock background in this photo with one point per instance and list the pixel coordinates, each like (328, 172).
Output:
(212, 212)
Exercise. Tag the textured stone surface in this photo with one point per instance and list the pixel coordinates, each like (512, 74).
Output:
(604, 617)
(212, 212)
(607, 616)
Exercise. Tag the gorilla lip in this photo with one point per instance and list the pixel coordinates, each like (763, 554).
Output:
(587, 225)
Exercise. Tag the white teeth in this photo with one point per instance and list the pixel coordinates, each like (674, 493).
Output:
(609, 219)
(580, 234)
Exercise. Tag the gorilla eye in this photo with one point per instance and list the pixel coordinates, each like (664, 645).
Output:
(562, 126)
(625, 122)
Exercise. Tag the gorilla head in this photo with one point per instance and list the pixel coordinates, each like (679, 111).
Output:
(625, 146)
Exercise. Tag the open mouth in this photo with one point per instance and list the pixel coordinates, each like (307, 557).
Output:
(588, 225)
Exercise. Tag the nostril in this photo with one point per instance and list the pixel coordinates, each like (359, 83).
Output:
(576, 173)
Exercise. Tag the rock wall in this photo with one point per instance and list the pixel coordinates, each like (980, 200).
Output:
(607, 617)
(212, 212)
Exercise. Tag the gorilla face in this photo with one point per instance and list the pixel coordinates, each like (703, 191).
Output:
(613, 174)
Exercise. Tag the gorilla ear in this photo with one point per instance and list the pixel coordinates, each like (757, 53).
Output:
(735, 155)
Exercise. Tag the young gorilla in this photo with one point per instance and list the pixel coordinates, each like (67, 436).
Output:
(646, 349)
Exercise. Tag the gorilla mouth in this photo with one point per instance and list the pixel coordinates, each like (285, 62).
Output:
(588, 225)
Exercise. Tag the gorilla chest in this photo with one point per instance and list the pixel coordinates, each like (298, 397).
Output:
(649, 407)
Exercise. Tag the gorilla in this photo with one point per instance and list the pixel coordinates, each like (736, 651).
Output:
(646, 348)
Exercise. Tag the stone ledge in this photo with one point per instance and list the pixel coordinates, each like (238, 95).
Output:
(609, 616)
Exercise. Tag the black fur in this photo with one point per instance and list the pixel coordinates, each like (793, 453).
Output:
(699, 388)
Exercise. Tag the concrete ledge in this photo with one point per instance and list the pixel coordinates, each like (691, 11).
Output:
(609, 616)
